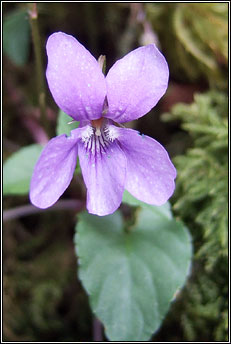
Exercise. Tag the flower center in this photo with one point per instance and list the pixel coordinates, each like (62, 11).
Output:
(98, 135)
(97, 123)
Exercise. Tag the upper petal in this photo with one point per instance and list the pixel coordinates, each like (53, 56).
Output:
(74, 77)
(150, 173)
(136, 83)
(53, 171)
(104, 171)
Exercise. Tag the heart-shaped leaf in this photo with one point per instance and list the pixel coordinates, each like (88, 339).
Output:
(132, 274)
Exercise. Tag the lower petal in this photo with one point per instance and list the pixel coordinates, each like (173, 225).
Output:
(53, 171)
(150, 173)
(104, 175)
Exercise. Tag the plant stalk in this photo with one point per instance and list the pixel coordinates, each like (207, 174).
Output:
(33, 15)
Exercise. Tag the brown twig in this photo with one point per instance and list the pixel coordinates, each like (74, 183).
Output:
(29, 209)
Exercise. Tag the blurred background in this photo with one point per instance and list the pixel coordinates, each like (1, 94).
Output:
(43, 299)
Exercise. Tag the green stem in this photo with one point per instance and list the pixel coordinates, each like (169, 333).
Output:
(33, 15)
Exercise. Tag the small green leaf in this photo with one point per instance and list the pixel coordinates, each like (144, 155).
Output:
(18, 169)
(62, 124)
(64, 128)
(16, 37)
(132, 275)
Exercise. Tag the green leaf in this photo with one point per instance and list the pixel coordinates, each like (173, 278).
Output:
(132, 275)
(18, 168)
(64, 128)
(62, 124)
(16, 37)
(164, 209)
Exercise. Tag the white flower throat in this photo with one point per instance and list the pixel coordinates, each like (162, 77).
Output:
(98, 135)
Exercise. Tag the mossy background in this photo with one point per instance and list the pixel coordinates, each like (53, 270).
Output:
(43, 299)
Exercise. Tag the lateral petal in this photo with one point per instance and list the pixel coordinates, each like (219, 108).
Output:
(53, 171)
(150, 173)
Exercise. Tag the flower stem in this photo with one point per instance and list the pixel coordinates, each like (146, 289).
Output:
(97, 330)
(33, 15)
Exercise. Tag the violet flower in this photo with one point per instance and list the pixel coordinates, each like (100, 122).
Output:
(112, 158)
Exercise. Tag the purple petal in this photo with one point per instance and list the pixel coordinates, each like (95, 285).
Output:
(150, 173)
(104, 176)
(53, 171)
(136, 83)
(74, 78)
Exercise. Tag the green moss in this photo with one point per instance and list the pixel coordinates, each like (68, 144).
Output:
(201, 200)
